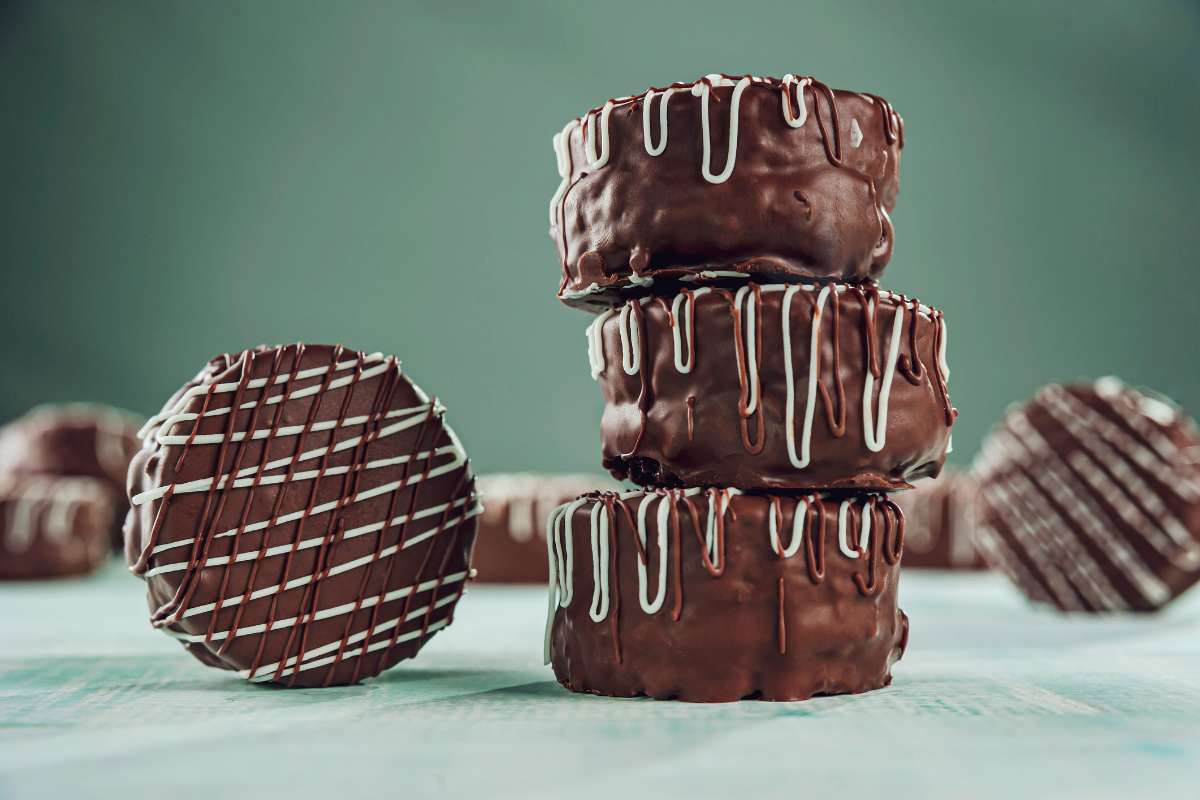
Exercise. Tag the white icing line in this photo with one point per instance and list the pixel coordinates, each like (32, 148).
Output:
(653, 149)
(562, 156)
(876, 439)
(631, 344)
(664, 509)
(798, 522)
(681, 316)
(599, 535)
(801, 461)
(595, 162)
(802, 109)
(595, 340)
(703, 90)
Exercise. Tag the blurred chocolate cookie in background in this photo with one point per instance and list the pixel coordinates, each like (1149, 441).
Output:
(53, 526)
(511, 545)
(940, 523)
(1089, 498)
(77, 440)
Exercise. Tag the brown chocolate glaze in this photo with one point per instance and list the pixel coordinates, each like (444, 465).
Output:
(800, 202)
(725, 422)
(80, 440)
(511, 544)
(739, 613)
(351, 519)
(940, 516)
(52, 526)
(1090, 498)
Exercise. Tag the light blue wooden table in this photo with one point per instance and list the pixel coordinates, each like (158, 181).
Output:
(994, 699)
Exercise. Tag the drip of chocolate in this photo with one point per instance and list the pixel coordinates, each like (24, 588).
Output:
(511, 543)
(302, 515)
(78, 440)
(53, 526)
(1089, 498)
(778, 386)
(774, 179)
(715, 595)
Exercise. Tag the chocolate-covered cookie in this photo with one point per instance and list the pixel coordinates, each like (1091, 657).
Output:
(1090, 498)
(940, 522)
(302, 515)
(728, 175)
(77, 439)
(511, 545)
(714, 595)
(52, 526)
(773, 387)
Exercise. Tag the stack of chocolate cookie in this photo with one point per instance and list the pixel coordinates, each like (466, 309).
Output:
(758, 384)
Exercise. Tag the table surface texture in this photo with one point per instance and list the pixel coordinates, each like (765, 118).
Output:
(993, 699)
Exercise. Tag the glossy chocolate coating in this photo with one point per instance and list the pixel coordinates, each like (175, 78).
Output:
(801, 202)
(940, 522)
(737, 619)
(52, 526)
(351, 492)
(663, 426)
(80, 440)
(1090, 498)
(511, 544)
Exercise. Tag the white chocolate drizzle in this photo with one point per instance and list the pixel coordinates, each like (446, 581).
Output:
(801, 116)
(559, 543)
(432, 519)
(651, 148)
(594, 161)
(876, 391)
(791, 88)
(702, 90)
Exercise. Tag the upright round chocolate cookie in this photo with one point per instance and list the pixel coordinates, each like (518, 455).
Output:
(52, 527)
(77, 439)
(1090, 498)
(302, 515)
(511, 545)
(940, 522)
(773, 387)
(728, 175)
(714, 595)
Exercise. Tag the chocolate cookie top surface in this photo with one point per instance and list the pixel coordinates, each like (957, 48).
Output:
(302, 515)
(1090, 498)
(728, 175)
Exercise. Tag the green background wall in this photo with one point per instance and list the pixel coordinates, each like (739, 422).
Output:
(181, 179)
